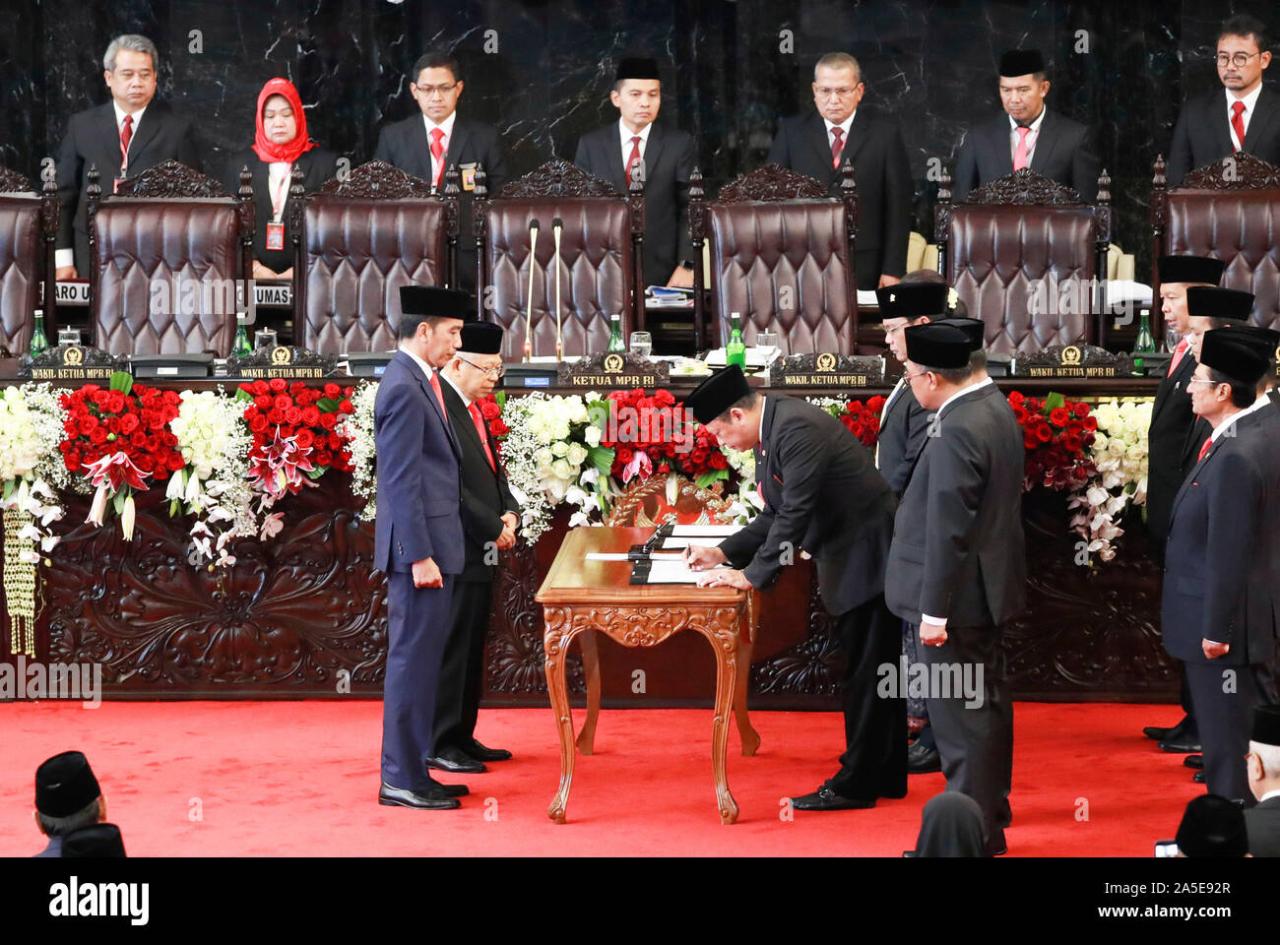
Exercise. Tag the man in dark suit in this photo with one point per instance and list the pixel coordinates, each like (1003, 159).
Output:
(957, 566)
(68, 799)
(1027, 135)
(818, 144)
(426, 145)
(1221, 593)
(490, 516)
(121, 139)
(1262, 766)
(1171, 449)
(823, 495)
(637, 146)
(1244, 118)
(418, 538)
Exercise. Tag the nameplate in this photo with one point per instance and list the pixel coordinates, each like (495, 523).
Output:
(264, 296)
(70, 363)
(1067, 361)
(613, 369)
(825, 369)
(284, 361)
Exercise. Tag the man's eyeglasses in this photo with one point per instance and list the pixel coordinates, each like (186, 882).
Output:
(908, 377)
(823, 91)
(1200, 380)
(441, 90)
(1239, 60)
(494, 372)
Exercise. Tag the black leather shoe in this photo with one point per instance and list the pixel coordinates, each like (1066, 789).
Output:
(1181, 747)
(456, 760)
(1194, 761)
(1178, 733)
(1198, 777)
(922, 759)
(484, 753)
(449, 790)
(826, 799)
(1156, 733)
(390, 796)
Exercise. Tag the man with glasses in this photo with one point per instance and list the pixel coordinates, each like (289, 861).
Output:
(490, 516)
(819, 143)
(121, 139)
(427, 145)
(1212, 127)
(1027, 135)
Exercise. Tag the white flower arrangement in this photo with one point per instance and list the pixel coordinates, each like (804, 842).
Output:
(359, 427)
(746, 504)
(214, 487)
(1119, 452)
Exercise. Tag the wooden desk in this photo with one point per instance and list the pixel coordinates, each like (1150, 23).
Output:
(580, 597)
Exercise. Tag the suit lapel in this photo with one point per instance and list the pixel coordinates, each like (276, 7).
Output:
(430, 394)
(857, 138)
(1046, 141)
(147, 128)
(653, 152)
(1264, 118)
(420, 148)
(1221, 124)
(1192, 473)
(457, 143)
(461, 417)
(818, 138)
(109, 135)
(615, 160)
(1000, 145)
(1174, 383)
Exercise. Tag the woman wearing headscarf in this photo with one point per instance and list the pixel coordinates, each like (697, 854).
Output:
(279, 143)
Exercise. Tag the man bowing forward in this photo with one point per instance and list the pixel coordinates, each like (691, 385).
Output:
(418, 538)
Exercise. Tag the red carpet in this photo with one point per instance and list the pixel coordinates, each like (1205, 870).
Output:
(301, 778)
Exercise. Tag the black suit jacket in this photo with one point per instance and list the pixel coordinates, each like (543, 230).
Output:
(92, 140)
(1222, 559)
(669, 157)
(902, 433)
(823, 495)
(1064, 152)
(1170, 445)
(958, 549)
(404, 144)
(318, 166)
(485, 495)
(882, 172)
(1263, 824)
(1203, 133)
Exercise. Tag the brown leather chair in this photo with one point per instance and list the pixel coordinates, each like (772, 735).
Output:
(1025, 242)
(781, 256)
(599, 246)
(1231, 211)
(358, 241)
(28, 228)
(164, 253)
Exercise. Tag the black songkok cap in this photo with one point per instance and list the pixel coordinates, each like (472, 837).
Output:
(1212, 302)
(439, 303)
(1242, 358)
(1266, 725)
(717, 394)
(1200, 269)
(1213, 826)
(637, 68)
(913, 299)
(65, 784)
(1018, 62)
(937, 346)
(481, 338)
(972, 327)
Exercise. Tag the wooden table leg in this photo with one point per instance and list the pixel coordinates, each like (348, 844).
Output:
(555, 642)
(724, 642)
(591, 668)
(750, 737)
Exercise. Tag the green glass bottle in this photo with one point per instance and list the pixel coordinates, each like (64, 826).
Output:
(242, 347)
(735, 352)
(39, 343)
(1145, 344)
(615, 334)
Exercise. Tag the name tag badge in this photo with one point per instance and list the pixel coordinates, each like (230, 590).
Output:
(275, 236)
(468, 172)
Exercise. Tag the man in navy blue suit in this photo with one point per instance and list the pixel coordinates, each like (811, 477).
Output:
(418, 539)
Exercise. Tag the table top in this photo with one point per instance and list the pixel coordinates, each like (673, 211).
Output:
(575, 580)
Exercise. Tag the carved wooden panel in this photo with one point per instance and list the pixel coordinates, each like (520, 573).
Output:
(1024, 188)
(171, 179)
(11, 182)
(558, 178)
(1239, 171)
(772, 182)
(376, 180)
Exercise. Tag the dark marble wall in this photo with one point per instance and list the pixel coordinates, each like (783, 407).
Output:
(730, 69)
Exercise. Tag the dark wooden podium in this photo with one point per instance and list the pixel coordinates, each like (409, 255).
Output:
(580, 597)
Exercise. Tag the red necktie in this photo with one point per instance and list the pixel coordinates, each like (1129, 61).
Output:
(437, 152)
(435, 386)
(126, 135)
(837, 145)
(1020, 152)
(1204, 448)
(1178, 352)
(474, 410)
(1237, 121)
(634, 159)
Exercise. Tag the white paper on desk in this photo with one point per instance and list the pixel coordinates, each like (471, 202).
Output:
(704, 531)
(681, 543)
(672, 572)
(623, 556)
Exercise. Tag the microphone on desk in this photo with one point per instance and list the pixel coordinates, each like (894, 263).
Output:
(534, 225)
(556, 226)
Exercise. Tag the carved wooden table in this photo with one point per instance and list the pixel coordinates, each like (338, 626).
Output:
(580, 597)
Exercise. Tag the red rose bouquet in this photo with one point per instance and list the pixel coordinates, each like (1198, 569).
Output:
(1057, 434)
(653, 434)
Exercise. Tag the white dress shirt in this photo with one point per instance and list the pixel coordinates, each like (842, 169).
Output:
(1032, 137)
(844, 127)
(447, 127)
(627, 134)
(1250, 103)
